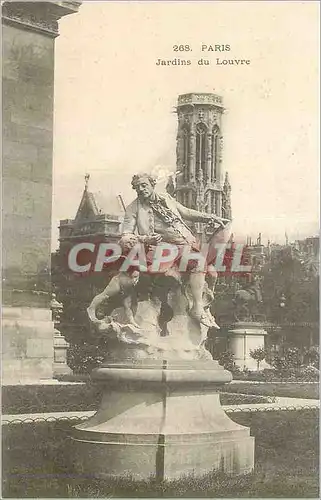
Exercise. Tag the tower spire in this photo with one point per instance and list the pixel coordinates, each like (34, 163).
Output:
(226, 198)
(87, 177)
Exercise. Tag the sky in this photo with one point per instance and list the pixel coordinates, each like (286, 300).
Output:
(114, 107)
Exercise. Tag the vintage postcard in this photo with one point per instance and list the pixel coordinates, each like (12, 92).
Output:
(160, 264)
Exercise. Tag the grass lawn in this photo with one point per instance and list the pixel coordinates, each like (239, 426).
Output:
(290, 390)
(36, 464)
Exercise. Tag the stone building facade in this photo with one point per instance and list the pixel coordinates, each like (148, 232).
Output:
(98, 220)
(29, 30)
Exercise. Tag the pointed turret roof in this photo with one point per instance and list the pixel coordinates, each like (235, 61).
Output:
(93, 204)
(227, 180)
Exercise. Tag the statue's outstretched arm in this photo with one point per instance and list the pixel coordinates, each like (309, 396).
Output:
(196, 216)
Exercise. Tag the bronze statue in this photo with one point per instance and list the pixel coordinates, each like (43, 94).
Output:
(247, 301)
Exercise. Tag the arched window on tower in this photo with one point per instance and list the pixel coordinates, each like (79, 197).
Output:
(201, 148)
(215, 153)
(186, 152)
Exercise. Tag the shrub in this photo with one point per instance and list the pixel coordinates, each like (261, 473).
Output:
(258, 355)
(266, 375)
(226, 359)
(311, 356)
(288, 364)
(84, 358)
(234, 398)
(308, 374)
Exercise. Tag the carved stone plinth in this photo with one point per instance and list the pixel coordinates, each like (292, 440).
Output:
(244, 337)
(163, 419)
(60, 366)
(27, 345)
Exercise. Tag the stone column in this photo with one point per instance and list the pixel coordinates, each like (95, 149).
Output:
(209, 158)
(192, 152)
(60, 345)
(29, 31)
(220, 158)
(219, 203)
(179, 149)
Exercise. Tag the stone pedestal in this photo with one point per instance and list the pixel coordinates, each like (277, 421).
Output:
(60, 366)
(163, 419)
(27, 344)
(243, 338)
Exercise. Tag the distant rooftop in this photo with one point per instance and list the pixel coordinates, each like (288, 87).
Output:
(108, 204)
(93, 204)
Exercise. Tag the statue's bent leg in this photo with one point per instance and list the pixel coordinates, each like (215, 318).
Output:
(121, 283)
(127, 303)
(127, 281)
(199, 310)
(113, 288)
(197, 283)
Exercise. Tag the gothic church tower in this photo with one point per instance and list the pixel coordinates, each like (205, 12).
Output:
(199, 178)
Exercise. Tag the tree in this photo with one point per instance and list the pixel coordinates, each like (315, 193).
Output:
(259, 355)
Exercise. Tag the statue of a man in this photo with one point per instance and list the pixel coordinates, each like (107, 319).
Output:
(157, 218)
(151, 219)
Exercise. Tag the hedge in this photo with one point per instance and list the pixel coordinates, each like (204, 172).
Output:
(75, 397)
(290, 390)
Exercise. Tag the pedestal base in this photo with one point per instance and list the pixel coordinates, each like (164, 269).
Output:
(27, 344)
(164, 421)
(243, 338)
(60, 366)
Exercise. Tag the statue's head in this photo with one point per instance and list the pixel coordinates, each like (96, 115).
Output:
(144, 185)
